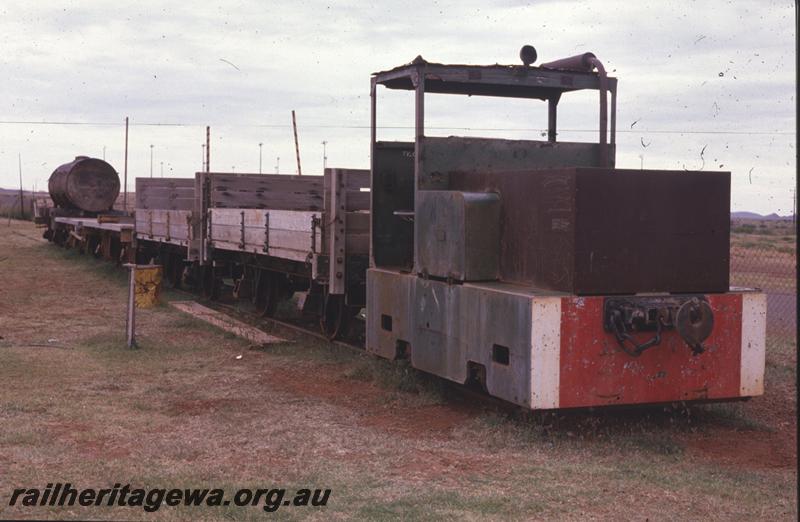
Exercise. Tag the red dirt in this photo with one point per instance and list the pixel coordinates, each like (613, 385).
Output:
(752, 449)
(414, 421)
(773, 446)
(771, 443)
(102, 448)
(201, 406)
(438, 464)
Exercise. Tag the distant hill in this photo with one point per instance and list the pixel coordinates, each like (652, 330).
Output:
(755, 216)
(9, 200)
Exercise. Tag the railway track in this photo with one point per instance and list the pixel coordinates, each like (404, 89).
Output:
(460, 393)
(256, 320)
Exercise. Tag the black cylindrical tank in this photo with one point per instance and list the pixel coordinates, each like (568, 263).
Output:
(87, 184)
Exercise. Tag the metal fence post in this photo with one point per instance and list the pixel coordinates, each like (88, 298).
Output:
(131, 318)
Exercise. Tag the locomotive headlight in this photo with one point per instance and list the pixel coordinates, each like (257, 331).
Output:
(527, 54)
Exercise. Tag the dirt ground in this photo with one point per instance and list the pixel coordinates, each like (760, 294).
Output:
(185, 410)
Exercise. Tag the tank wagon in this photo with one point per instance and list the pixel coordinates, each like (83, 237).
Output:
(538, 271)
(267, 236)
(83, 193)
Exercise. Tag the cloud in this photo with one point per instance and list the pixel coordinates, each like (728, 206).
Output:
(91, 61)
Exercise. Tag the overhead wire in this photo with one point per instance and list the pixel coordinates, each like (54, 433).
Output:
(391, 127)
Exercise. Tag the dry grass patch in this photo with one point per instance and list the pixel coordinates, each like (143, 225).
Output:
(392, 443)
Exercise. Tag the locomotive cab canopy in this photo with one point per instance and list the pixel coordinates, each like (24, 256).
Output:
(402, 168)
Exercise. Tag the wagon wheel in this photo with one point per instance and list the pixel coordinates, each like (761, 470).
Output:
(116, 251)
(173, 269)
(59, 238)
(141, 257)
(336, 316)
(176, 274)
(91, 245)
(209, 284)
(267, 293)
(166, 267)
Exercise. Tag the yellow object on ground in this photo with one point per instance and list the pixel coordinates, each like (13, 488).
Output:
(147, 285)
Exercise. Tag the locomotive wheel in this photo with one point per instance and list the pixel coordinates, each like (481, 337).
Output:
(336, 316)
(267, 293)
(210, 285)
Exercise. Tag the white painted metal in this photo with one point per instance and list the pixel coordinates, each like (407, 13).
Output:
(92, 223)
(545, 352)
(754, 327)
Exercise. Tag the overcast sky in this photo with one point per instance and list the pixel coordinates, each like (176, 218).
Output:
(715, 77)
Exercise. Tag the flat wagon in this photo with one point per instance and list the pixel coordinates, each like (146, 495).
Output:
(263, 236)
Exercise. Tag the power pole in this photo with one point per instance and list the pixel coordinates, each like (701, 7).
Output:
(21, 199)
(125, 194)
(104, 152)
(260, 145)
(203, 159)
(162, 169)
(324, 155)
(151, 160)
(208, 148)
(296, 144)
(278, 166)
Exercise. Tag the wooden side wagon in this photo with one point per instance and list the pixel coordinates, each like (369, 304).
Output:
(264, 237)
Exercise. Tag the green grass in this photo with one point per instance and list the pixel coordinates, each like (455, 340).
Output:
(398, 376)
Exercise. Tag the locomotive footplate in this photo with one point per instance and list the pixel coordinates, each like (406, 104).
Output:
(690, 315)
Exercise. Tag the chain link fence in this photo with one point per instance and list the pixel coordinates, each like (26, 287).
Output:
(764, 255)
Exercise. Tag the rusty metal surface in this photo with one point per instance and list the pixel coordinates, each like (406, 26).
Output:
(586, 62)
(600, 231)
(86, 184)
(594, 371)
(581, 62)
(517, 81)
